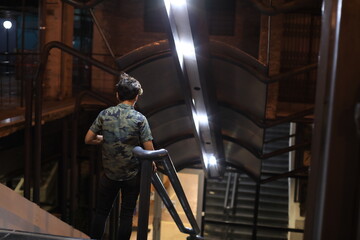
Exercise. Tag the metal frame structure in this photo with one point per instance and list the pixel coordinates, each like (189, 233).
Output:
(334, 183)
(163, 161)
(36, 163)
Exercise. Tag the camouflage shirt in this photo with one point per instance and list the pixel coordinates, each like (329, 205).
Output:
(123, 128)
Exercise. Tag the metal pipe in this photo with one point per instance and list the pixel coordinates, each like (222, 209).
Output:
(285, 150)
(38, 108)
(38, 136)
(290, 118)
(157, 211)
(102, 33)
(180, 193)
(39, 99)
(74, 146)
(296, 71)
(74, 167)
(279, 138)
(22, 53)
(227, 190)
(144, 201)
(234, 191)
(8, 62)
(146, 158)
(28, 138)
(268, 41)
(162, 156)
(284, 175)
(256, 211)
(169, 205)
(259, 154)
(63, 171)
(265, 79)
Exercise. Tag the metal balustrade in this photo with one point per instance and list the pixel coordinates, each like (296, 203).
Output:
(148, 176)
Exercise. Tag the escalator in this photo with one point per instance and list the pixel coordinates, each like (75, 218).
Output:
(225, 221)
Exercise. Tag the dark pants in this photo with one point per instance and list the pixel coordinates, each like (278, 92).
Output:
(107, 193)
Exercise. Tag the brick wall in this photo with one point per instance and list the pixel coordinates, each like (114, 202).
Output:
(123, 25)
(58, 27)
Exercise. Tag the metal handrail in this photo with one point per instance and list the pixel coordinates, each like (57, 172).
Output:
(38, 111)
(74, 144)
(163, 160)
(230, 206)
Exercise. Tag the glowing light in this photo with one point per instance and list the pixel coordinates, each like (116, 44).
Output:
(187, 49)
(196, 121)
(203, 119)
(209, 160)
(212, 160)
(200, 119)
(7, 24)
(167, 6)
(174, 3)
(177, 3)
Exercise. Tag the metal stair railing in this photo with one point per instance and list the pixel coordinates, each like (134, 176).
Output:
(148, 176)
(230, 206)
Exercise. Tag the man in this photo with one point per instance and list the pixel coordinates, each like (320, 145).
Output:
(119, 129)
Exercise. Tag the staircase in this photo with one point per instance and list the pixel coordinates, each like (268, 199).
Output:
(222, 222)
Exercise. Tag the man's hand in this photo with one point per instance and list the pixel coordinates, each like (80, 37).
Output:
(99, 139)
(92, 138)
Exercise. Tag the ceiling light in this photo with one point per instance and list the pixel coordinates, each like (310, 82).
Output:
(200, 118)
(212, 160)
(187, 49)
(203, 119)
(209, 160)
(177, 3)
(7, 24)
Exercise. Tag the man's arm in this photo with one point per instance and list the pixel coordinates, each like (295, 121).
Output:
(148, 145)
(93, 138)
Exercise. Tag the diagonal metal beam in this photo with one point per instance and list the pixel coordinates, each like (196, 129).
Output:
(189, 43)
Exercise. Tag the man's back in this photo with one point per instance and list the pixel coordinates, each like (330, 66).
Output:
(122, 128)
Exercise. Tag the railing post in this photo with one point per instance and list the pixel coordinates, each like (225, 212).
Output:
(181, 194)
(256, 211)
(159, 187)
(226, 199)
(144, 201)
(157, 214)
